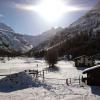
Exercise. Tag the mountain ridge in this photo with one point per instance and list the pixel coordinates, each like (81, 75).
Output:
(87, 26)
(11, 42)
(15, 42)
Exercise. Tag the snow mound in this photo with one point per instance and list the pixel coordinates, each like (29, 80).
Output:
(15, 82)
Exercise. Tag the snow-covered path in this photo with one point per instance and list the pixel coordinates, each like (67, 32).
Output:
(48, 90)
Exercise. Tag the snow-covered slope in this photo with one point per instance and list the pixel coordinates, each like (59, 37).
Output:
(89, 22)
(5, 27)
(48, 35)
(12, 42)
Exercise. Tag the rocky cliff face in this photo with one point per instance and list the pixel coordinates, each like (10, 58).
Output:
(11, 42)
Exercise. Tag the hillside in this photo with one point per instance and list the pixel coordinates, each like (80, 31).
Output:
(10, 42)
(45, 36)
(86, 30)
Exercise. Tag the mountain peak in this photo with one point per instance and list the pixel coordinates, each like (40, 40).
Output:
(5, 27)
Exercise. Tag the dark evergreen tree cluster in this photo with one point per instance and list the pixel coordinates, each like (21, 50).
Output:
(80, 44)
(51, 57)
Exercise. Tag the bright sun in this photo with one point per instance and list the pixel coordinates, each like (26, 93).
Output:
(51, 10)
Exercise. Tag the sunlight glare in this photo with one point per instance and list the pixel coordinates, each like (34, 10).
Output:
(51, 10)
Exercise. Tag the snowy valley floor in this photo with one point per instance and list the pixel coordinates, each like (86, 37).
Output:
(53, 88)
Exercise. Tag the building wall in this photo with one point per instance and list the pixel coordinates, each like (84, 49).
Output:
(93, 78)
(84, 61)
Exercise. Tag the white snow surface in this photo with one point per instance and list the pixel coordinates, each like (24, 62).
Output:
(52, 89)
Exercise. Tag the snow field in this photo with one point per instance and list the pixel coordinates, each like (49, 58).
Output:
(51, 89)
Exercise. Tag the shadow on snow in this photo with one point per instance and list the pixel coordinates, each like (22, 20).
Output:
(20, 81)
(53, 69)
(95, 90)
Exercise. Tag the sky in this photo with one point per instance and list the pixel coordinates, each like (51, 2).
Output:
(29, 17)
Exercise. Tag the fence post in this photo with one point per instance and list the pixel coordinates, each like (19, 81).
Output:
(43, 75)
(67, 82)
(36, 73)
(40, 72)
(79, 80)
(46, 71)
(70, 81)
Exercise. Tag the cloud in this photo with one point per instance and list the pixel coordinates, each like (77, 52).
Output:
(33, 7)
(24, 6)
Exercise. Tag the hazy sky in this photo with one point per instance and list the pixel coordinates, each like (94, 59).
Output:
(31, 22)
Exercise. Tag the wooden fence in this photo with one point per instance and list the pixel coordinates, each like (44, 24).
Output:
(69, 81)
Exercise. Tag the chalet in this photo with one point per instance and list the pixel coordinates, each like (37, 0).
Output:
(84, 61)
(93, 75)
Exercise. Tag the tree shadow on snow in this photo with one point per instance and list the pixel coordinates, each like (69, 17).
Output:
(27, 62)
(19, 81)
(81, 68)
(95, 90)
(41, 84)
(52, 69)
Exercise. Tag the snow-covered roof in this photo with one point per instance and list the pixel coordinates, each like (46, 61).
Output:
(90, 69)
(11, 73)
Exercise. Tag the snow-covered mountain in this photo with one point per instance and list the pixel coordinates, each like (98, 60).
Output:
(45, 36)
(5, 27)
(12, 42)
(88, 24)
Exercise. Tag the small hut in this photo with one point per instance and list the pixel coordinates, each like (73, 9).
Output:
(84, 61)
(93, 75)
